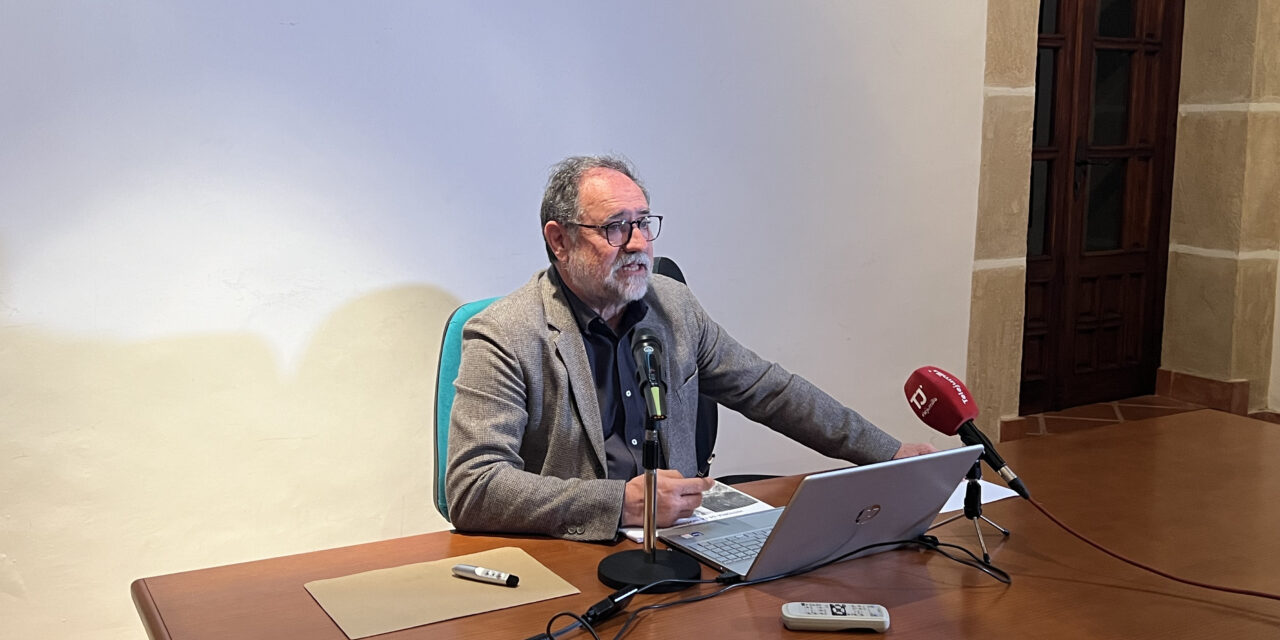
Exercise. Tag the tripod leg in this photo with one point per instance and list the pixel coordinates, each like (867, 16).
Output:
(986, 557)
(948, 520)
(998, 527)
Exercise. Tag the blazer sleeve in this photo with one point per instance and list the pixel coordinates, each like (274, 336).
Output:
(767, 393)
(506, 474)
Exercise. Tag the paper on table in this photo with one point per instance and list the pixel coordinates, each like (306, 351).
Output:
(718, 502)
(386, 600)
(990, 493)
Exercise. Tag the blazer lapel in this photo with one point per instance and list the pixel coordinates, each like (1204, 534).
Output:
(573, 356)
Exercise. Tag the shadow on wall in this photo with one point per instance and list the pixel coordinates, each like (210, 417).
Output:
(122, 460)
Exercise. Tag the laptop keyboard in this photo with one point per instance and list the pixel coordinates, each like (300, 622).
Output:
(731, 549)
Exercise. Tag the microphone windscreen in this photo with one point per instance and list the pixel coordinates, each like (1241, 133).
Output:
(647, 352)
(939, 399)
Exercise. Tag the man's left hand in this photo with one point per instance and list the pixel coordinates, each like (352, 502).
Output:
(909, 449)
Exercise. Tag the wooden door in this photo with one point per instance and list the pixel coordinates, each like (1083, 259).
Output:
(1101, 180)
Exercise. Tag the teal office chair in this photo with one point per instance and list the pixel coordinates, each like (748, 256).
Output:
(446, 372)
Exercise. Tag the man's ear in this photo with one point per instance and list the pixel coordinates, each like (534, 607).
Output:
(557, 237)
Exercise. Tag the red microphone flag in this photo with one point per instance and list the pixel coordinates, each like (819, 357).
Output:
(940, 399)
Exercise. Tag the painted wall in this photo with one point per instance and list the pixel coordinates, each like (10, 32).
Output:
(230, 234)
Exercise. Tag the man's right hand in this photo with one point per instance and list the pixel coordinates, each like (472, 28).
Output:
(677, 497)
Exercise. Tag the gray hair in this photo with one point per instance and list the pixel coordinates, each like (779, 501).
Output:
(560, 200)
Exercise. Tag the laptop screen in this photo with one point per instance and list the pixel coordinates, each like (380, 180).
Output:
(833, 513)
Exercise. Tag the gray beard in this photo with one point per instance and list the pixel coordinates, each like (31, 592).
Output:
(636, 290)
(613, 286)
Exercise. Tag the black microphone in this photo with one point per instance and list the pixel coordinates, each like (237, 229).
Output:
(971, 434)
(647, 352)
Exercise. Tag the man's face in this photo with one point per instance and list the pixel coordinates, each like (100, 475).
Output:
(602, 275)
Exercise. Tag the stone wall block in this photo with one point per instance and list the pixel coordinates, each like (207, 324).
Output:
(1012, 27)
(1260, 219)
(994, 372)
(1266, 70)
(1218, 41)
(1005, 182)
(1199, 318)
(1254, 327)
(1208, 179)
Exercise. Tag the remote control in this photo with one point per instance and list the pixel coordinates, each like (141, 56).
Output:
(834, 616)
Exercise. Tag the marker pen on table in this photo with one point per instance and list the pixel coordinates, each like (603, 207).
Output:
(480, 574)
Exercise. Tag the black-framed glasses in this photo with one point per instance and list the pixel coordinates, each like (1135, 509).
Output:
(618, 234)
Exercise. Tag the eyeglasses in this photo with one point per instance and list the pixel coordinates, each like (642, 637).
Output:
(618, 234)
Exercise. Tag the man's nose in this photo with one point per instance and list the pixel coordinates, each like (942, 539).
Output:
(636, 243)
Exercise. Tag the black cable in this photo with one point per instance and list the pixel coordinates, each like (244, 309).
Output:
(674, 580)
(926, 541)
(580, 622)
(661, 605)
(975, 562)
(608, 607)
(551, 635)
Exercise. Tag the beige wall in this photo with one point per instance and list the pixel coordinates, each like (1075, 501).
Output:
(128, 458)
(1221, 302)
(999, 272)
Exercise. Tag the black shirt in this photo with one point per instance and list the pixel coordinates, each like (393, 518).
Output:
(613, 369)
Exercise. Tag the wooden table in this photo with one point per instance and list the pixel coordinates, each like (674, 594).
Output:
(1194, 494)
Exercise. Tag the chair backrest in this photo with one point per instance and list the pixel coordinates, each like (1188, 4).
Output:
(708, 412)
(446, 373)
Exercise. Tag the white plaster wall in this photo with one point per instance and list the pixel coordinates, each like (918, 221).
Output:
(230, 233)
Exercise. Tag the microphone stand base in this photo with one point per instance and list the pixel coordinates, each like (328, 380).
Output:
(973, 509)
(636, 568)
(1003, 531)
(986, 556)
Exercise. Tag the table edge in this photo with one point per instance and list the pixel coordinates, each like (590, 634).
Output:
(152, 621)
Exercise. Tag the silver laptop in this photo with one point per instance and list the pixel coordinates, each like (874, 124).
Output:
(830, 514)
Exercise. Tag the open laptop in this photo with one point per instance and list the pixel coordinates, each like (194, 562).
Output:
(830, 514)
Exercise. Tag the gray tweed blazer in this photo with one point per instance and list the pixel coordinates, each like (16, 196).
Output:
(526, 448)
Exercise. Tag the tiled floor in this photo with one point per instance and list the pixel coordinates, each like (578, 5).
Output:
(1091, 416)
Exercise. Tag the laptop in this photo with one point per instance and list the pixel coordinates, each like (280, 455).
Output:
(830, 514)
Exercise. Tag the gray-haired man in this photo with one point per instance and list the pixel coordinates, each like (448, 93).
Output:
(548, 418)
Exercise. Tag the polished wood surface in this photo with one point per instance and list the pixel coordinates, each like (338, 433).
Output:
(1191, 493)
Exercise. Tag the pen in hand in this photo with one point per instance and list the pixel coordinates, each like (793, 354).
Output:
(480, 574)
(703, 474)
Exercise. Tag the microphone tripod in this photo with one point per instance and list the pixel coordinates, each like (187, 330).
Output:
(973, 508)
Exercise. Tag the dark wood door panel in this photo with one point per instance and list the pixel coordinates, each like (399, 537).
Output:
(1109, 322)
(1097, 240)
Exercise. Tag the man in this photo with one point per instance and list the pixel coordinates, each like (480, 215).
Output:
(548, 417)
